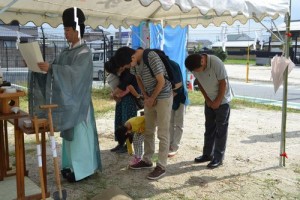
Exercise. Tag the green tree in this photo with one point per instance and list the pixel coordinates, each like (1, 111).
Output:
(197, 49)
(220, 53)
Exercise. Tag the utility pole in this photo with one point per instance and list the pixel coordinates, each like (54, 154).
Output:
(270, 38)
(120, 36)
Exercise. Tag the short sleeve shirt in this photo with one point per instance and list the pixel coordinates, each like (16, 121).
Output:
(137, 124)
(209, 78)
(150, 82)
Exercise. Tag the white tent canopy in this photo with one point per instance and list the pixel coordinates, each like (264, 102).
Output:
(132, 12)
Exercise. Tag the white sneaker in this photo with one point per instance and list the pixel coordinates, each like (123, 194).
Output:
(172, 153)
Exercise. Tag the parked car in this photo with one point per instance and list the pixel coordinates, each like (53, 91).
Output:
(98, 63)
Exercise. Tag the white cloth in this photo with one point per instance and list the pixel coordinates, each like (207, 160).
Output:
(113, 81)
(279, 64)
(224, 38)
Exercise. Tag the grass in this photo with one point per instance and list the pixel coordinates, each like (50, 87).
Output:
(23, 102)
(100, 97)
(196, 98)
(239, 61)
(103, 103)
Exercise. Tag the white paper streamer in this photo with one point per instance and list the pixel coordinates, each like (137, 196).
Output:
(39, 156)
(77, 24)
(53, 146)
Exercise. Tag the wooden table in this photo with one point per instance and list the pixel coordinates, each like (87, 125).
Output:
(4, 154)
(19, 130)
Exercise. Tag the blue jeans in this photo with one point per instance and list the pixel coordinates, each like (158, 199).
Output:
(216, 131)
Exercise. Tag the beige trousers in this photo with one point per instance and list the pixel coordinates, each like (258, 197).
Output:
(176, 127)
(158, 116)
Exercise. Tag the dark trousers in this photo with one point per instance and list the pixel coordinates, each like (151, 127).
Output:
(216, 130)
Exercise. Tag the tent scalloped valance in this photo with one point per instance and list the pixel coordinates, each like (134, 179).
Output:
(126, 13)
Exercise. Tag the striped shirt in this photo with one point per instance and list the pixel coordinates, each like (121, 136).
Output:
(150, 82)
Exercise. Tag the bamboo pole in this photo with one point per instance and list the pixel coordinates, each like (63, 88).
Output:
(283, 154)
(247, 67)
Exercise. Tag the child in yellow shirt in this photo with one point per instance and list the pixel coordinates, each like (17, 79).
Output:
(134, 126)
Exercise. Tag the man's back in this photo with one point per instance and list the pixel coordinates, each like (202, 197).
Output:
(148, 80)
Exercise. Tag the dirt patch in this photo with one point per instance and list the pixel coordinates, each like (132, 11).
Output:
(250, 170)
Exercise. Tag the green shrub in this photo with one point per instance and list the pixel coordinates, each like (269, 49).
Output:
(220, 53)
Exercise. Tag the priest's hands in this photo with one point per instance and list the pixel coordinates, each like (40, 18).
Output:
(44, 66)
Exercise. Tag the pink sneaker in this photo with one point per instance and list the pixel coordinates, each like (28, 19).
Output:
(134, 160)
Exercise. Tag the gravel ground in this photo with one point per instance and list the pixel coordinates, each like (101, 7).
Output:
(250, 170)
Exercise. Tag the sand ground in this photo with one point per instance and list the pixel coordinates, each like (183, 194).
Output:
(250, 171)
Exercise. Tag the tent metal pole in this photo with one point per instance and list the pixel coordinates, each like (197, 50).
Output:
(133, 32)
(163, 34)
(283, 154)
(271, 31)
(277, 30)
(8, 6)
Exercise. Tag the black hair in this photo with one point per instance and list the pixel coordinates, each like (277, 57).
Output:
(123, 56)
(193, 62)
(82, 29)
(69, 21)
(111, 66)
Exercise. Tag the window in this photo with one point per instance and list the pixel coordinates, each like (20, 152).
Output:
(9, 44)
(97, 56)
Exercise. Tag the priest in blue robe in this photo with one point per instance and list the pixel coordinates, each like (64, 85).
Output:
(67, 82)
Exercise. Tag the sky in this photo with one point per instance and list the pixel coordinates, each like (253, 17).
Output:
(213, 33)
